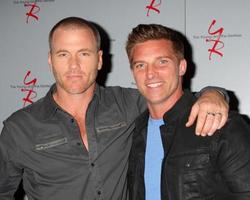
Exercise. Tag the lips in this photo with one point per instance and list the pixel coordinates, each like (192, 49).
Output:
(154, 85)
(74, 75)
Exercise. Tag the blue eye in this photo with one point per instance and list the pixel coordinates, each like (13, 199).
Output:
(163, 61)
(62, 54)
(84, 54)
(139, 66)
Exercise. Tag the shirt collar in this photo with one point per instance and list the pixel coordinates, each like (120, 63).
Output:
(51, 106)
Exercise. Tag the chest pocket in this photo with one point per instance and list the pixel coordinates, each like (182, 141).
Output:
(110, 127)
(192, 173)
(51, 144)
(50, 140)
(189, 161)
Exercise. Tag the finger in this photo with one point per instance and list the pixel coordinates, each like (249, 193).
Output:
(224, 117)
(224, 114)
(216, 124)
(193, 115)
(207, 125)
(201, 120)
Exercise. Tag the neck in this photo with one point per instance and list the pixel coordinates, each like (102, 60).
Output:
(159, 109)
(74, 103)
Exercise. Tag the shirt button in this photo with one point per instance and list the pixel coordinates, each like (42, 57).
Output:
(188, 165)
(92, 164)
(79, 143)
(72, 121)
(99, 192)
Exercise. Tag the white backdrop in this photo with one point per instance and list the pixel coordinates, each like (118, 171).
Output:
(24, 47)
(229, 64)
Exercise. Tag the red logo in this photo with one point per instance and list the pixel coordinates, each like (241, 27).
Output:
(30, 93)
(217, 44)
(32, 12)
(153, 7)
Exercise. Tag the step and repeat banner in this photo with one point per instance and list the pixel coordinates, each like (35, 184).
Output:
(217, 32)
(220, 37)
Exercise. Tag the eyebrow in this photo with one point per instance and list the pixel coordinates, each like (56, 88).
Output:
(80, 50)
(61, 51)
(159, 57)
(86, 49)
(137, 61)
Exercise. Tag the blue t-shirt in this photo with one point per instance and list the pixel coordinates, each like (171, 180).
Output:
(153, 160)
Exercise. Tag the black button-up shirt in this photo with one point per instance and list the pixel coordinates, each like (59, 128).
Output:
(41, 144)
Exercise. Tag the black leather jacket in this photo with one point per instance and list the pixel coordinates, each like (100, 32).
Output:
(197, 168)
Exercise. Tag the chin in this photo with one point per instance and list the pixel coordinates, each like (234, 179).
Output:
(76, 90)
(156, 100)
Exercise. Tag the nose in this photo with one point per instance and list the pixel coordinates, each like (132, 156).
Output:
(150, 72)
(74, 62)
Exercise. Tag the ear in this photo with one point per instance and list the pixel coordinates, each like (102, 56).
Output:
(49, 60)
(100, 62)
(182, 67)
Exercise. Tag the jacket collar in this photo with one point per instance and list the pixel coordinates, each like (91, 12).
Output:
(182, 105)
(141, 124)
